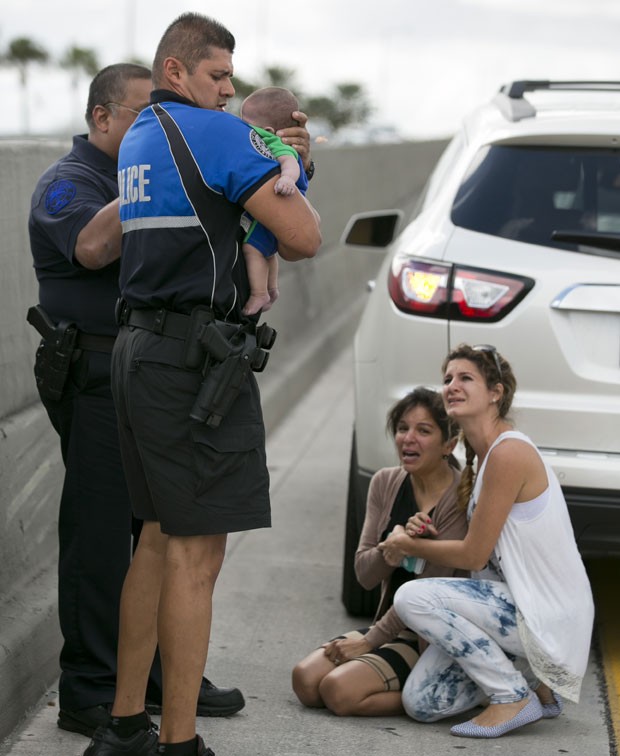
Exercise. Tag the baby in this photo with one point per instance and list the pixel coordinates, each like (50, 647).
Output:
(268, 110)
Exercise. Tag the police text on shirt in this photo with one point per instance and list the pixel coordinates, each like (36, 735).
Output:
(133, 184)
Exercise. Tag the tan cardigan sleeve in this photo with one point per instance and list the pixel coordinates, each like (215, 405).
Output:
(385, 630)
(370, 566)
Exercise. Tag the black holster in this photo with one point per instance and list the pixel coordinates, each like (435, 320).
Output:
(55, 353)
(231, 351)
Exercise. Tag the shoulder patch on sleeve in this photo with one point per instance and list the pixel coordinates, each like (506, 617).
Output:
(246, 221)
(259, 145)
(59, 195)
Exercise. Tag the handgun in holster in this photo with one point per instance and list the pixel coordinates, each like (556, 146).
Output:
(232, 350)
(55, 353)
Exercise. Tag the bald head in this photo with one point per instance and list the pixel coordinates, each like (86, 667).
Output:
(270, 108)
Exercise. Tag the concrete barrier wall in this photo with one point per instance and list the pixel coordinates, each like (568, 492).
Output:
(316, 314)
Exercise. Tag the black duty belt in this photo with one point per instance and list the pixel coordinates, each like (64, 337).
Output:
(53, 332)
(95, 343)
(163, 322)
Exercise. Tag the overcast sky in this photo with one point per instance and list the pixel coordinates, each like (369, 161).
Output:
(423, 63)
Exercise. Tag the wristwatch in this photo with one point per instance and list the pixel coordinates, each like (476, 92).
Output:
(310, 170)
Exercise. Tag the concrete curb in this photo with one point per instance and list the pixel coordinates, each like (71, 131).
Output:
(30, 646)
(29, 631)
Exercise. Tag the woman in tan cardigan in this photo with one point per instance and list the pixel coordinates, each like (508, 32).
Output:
(362, 672)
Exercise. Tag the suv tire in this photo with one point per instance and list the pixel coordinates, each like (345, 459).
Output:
(357, 600)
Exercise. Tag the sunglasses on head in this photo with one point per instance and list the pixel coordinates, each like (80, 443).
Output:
(490, 349)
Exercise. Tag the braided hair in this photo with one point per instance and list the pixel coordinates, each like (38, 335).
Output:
(485, 361)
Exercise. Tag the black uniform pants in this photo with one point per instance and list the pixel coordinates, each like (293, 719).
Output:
(95, 534)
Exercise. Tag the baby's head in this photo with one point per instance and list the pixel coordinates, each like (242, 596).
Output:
(270, 108)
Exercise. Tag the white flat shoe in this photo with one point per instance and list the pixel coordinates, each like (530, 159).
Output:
(530, 713)
(553, 710)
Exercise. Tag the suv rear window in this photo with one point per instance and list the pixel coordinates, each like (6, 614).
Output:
(530, 193)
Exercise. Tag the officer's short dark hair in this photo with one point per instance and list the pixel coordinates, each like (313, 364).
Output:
(110, 85)
(190, 38)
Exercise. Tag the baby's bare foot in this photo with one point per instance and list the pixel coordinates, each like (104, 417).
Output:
(256, 303)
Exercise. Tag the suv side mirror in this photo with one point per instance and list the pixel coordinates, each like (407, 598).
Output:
(376, 229)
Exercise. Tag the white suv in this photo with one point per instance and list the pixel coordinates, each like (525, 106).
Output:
(515, 242)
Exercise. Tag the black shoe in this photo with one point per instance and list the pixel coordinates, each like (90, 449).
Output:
(201, 748)
(218, 702)
(212, 701)
(84, 721)
(105, 742)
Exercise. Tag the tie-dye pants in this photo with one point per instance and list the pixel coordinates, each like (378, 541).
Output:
(475, 653)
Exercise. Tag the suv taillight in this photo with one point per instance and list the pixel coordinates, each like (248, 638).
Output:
(454, 292)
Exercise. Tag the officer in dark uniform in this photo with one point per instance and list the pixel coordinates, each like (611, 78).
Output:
(190, 421)
(75, 237)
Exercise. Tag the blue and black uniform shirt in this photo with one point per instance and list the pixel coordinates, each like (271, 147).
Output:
(169, 259)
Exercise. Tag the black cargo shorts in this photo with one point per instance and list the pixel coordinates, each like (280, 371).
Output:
(189, 477)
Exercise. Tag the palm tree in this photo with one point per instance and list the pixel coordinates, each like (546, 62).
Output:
(279, 76)
(346, 105)
(274, 76)
(20, 53)
(79, 60)
(353, 107)
(243, 88)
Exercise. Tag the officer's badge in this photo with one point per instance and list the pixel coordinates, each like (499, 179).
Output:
(259, 145)
(59, 195)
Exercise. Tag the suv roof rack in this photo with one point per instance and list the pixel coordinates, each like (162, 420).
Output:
(512, 104)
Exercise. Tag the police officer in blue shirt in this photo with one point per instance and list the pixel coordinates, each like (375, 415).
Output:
(187, 171)
(75, 236)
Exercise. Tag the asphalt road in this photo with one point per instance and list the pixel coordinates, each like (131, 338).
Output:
(278, 597)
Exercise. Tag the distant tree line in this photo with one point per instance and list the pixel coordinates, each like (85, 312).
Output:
(22, 53)
(346, 104)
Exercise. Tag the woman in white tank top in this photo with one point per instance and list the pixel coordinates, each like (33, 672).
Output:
(516, 635)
